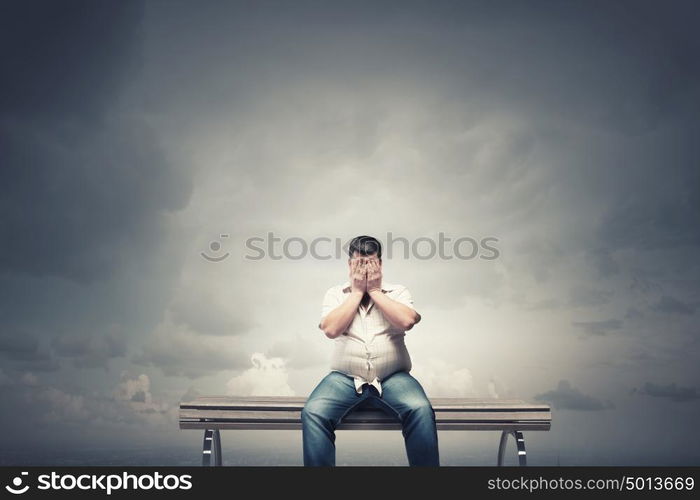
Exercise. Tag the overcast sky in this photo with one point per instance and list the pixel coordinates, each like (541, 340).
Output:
(144, 144)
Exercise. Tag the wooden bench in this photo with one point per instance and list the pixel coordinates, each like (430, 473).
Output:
(215, 413)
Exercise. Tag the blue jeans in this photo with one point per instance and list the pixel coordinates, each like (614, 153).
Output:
(402, 396)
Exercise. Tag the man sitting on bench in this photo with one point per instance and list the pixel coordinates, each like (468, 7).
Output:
(367, 319)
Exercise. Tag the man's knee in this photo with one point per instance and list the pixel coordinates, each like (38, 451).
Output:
(421, 407)
(307, 411)
(313, 410)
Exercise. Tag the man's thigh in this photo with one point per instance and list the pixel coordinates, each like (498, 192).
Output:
(333, 397)
(403, 392)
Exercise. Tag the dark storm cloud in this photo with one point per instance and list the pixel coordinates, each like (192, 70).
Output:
(565, 396)
(79, 201)
(626, 70)
(83, 182)
(25, 351)
(176, 361)
(19, 345)
(603, 261)
(671, 305)
(633, 312)
(66, 60)
(615, 73)
(22, 350)
(203, 313)
(580, 296)
(598, 327)
(179, 352)
(55, 411)
(93, 349)
(672, 392)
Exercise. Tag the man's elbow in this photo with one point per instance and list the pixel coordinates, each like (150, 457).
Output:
(331, 334)
(327, 330)
(411, 320)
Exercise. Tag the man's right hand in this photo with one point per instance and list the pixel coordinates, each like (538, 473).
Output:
(337, 322)
(358, 275)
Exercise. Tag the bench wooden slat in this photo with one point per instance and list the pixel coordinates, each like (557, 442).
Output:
(208, 400)
(274, 412)
(442, 426)
(286, 403)
(301, 399)
(360, 414)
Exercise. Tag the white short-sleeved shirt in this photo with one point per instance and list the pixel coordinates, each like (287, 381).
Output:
(371, 348)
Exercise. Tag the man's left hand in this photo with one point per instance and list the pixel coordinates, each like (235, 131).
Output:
(374, 276)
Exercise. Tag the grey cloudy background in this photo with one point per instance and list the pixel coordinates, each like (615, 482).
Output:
(133, 135)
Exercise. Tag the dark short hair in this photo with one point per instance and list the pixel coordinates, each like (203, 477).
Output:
(365, 245)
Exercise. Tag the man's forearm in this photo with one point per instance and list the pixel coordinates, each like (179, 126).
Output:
(337, 321)
(399, 315)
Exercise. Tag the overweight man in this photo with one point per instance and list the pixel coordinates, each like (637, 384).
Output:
(367, 319)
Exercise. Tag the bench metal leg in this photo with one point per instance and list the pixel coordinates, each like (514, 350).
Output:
(519, 441)
(211, 449)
